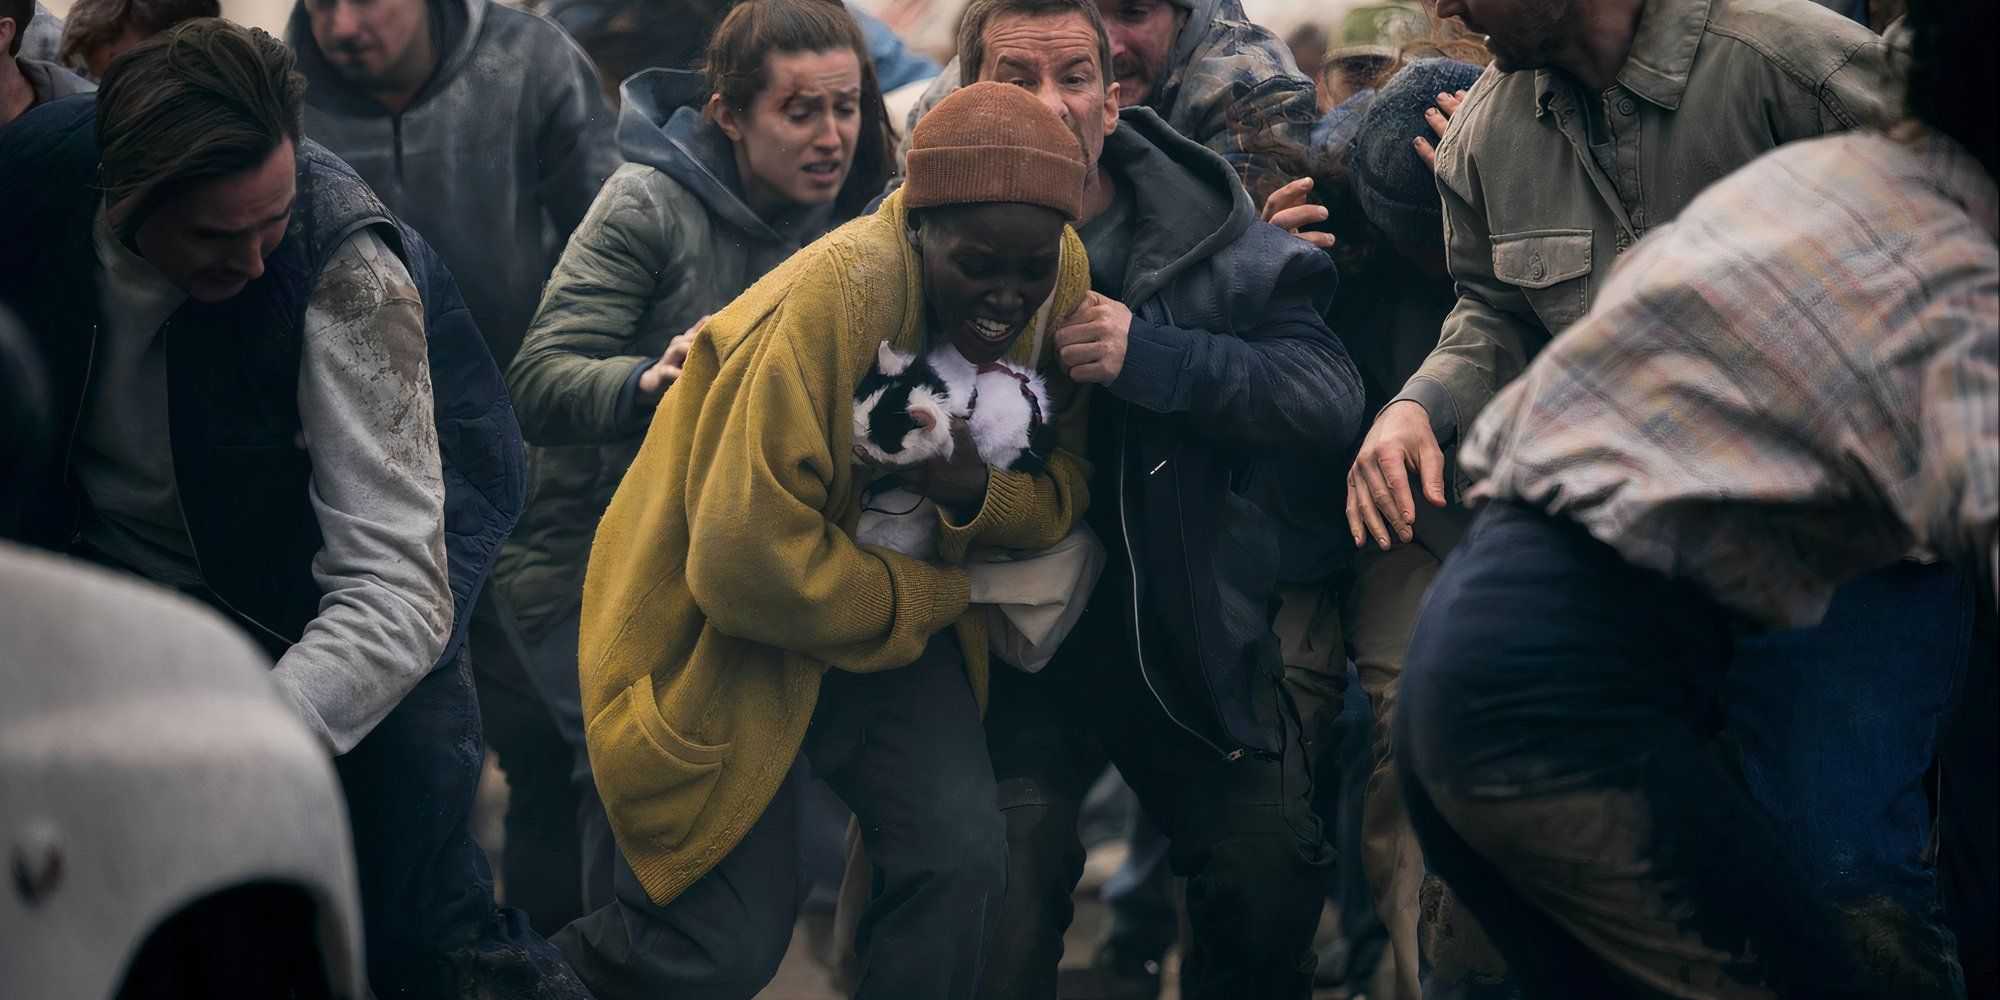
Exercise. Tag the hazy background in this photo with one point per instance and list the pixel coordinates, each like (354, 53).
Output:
(266, 14)
(931, 21)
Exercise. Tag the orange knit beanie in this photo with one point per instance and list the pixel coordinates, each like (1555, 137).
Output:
(993, 142)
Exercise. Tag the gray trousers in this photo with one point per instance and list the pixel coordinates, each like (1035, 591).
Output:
(905, 750)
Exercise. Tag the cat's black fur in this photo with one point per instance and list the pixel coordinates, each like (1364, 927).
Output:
(890, 421)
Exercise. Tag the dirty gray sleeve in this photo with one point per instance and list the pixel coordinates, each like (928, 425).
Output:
(377, 490)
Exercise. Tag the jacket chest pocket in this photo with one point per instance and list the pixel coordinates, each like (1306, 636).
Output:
(1551, 267)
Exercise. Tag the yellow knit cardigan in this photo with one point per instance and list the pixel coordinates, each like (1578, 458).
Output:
(724, 579)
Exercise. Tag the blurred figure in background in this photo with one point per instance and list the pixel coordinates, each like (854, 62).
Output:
(25, 81)
(626, 36)
(729, 172)
(1365, 47)
(42, 38)
(483, 127)
(99, 31)
(1307, 43)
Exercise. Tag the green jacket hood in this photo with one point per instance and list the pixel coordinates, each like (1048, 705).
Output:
(660, 124)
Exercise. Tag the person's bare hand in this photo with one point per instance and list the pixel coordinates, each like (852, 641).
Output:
(957, 482)
(1091, 340)
(653, 381)
(1439, 118)
(1289, 209)
(1379, 502)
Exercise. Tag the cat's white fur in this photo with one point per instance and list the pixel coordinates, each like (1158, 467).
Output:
(997, 416)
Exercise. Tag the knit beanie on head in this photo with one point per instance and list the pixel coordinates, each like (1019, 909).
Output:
(1396, 189)
(1334, 133)
(993, 142)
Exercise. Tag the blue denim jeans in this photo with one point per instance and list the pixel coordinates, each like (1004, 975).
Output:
(432, 929)
(1570, 773)
(1836, 726)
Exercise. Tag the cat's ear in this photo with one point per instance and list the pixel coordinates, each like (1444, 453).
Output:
(890, 361)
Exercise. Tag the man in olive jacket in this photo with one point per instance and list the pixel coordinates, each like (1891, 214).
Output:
(1586, 134)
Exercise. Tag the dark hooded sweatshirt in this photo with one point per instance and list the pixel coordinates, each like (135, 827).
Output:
(668, 241)
(1232, 393)
(495, 161)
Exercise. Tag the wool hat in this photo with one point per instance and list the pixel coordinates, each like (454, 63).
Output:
(1396, 189)
(993, 142)
(1335, 131)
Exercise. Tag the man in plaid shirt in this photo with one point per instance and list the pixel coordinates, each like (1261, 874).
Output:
(1792, 385)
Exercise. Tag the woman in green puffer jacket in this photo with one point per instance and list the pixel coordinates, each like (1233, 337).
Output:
(781, 138)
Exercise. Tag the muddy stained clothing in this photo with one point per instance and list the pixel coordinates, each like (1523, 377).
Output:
(1533, 223)
(1771, 452)
(377, 488)
(1229, 85)
(1712, 421)
(1582, 761)
(495, 160)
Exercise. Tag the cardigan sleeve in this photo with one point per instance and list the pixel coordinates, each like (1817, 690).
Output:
(765, 560)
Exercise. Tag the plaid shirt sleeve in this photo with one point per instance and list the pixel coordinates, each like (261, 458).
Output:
(1791, 385)
(1960, 478)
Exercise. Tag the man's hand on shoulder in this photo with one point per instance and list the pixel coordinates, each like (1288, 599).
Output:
(1091, 340)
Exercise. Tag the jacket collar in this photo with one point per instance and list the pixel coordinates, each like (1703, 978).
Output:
(1189, 203)
(1662, 55)
(660, 125)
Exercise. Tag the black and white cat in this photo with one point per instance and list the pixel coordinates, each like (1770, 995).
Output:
(903, 411)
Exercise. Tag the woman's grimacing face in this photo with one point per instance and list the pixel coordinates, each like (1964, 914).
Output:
(986, 269)
(795, 143)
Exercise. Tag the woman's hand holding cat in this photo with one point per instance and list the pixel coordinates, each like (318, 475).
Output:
(957, 483)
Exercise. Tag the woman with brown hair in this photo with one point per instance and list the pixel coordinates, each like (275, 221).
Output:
(729, 171)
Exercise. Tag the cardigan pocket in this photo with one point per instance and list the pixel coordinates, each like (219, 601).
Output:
(1551, 267)
(663, 779)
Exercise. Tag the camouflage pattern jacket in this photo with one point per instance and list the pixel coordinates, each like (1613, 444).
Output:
(1230, 85)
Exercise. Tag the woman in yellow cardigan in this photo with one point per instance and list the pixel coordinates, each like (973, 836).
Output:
(734, 635)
